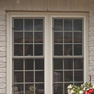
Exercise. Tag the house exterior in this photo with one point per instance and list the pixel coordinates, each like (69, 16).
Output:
(45, 45)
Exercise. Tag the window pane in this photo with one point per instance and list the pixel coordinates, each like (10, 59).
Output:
(58, 24)
(38, 37)
(68, 49)
(18, 64)
(29, 64)
(18, 24)
(28, 37)
(18, 37)
(58, 63)
(58, 49)
(58, 76)
(38, 24)
(58, 88)
(28, 24)
(78, 37)
(68, 63)
(78, 25)
(68, 25)
(18, 50)
(58, 37)
(28, 50)
(68, 37)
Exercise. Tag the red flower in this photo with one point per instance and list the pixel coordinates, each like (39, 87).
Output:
(90, 91)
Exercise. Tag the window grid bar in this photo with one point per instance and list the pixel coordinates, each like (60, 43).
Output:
(24, 74)
(23, 37)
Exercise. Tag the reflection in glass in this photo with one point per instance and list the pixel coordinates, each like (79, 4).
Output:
(29, 77)
(38, 37)
(58, 63)
(68, 37)
(68, 25)
(38, 24)
(29, 50)
(28, 24)
(29, 64)
(58, 88)
(58, 37)
(67, 49)
(78, 37)
(29, 89)
(39, 49)
(18, 77)
(78, 63)
(28, 37)
(77, 49)
(39, 64)
(58, 24)
(18, 50)
(18, 24)
(58, 76)
(78, 76)
(78, 25)
(18, 37)
(39, 88)
(18, 64)
(18, 89)
(39, 76)
(58, 49)
(68, 76)
(68, 63)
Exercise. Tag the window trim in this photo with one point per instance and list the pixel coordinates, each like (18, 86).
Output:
(48, 18)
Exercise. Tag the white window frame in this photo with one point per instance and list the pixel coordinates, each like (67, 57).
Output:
(48, 44)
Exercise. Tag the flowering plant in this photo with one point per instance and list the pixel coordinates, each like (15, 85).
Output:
(86, 88)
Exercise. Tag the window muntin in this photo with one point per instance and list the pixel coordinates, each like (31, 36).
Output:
(67, 53)
(28, 73)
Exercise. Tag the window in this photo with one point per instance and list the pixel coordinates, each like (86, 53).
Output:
(47, 53)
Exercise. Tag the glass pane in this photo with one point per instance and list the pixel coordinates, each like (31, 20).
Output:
(68, 76)
(78, 37)
(58, 49)
(39, 76)
(77, 49)
(18, 77)
(39, 64)
(29, 89)
(58, 24)
(58, 63)
(28, 37)
(58, 37)
(18, 50)
(18, 64)
(29, 64)
(39, 88)
(78, 25)
(38, 24)
(28, 50)
(58, 76)
(38, 37)
(68, 25)
(18, 89)
(18, 24)
(78, 63)
(38, 49)
(18, 37)
(78, 76)
(68, 63)
(68, 37)
(67, 49)
(58, 88)
(28, 24)
(29, 77)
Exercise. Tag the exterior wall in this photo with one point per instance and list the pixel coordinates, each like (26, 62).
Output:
(43, 5)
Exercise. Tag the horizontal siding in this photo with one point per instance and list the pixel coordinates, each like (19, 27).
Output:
(45, 5)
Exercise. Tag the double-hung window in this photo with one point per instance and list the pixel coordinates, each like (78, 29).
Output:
(48, 53)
